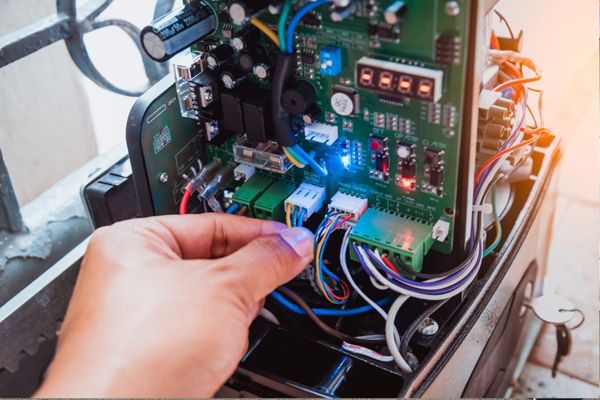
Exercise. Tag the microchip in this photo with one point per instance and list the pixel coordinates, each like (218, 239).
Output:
(312, 20)
(387, 32)
(436, 177)
(308, 58)
(433, 157)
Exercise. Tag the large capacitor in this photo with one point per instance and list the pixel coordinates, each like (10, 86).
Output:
(177, 30)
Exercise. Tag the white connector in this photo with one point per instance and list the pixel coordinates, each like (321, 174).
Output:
(307, 197)
(243, 172)
(349, 204)
(321, 133)
(440, 230)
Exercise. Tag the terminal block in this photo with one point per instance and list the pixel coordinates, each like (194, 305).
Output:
(395, 235)
(271, 204)
(250, 191)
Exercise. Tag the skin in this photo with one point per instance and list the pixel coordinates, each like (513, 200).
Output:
(162, 305)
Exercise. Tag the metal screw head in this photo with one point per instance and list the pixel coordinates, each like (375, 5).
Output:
(452, 8)
(428, 327)
(163, 177)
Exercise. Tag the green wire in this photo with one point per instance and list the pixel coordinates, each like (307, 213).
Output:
(281, 26)
(498, 226)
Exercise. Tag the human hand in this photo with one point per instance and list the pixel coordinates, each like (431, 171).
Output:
(162, 305)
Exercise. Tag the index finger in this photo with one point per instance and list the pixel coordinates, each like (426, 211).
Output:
(210, 235)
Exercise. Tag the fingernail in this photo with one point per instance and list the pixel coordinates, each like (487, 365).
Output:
(299, 239)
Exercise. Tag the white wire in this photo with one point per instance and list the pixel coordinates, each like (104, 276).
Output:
(344, 265)
(364, 351)
(390, 326)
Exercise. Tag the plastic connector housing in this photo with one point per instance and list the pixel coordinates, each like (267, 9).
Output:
(270, 204)
(393, 234)
(307, 197)
(243, 172)
(250, 191)
(321, 133)
(440, 230)
(349, 204)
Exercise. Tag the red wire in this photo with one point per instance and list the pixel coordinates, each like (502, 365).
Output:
(389, 263)
(187, 193)
(503, 152)
(342, 222)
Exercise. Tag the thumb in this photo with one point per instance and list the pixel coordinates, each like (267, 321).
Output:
(270, 261)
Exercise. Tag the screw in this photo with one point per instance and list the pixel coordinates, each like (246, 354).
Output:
(428, 327)
(163, 177)
(452, 8)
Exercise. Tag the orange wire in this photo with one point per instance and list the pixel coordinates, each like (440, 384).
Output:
(519, 81)
(508, 150)
(494, 42)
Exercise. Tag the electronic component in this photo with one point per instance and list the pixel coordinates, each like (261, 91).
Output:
(381, 170)
(399, 80)
(405, 151)
(395, 12)
(246, 61)
(266, 156)
(232, 77)
(205, 89)
(243, 172)
(407, 177)
(348, 204)
(250, 191)
(331, 60)
(261, 70)
(245, 39)
(177, 30)
(299, 97)
(388, 33)
(339, 14)
(270, 204)
(311, 115)
(231, 102)
(394, 234)
(434, 171)
(307, 57)
(321, 133)
(257, 116)
(312, 20)
(241, 11)
(221, 180)
(219, 56)
(378, 144)
(447, 49)
(307, 197)
(440, 230)
(344, 100)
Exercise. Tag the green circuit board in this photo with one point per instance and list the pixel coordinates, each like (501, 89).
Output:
(428, 39)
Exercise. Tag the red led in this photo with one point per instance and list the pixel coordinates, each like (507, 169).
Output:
(375, 145)
(405, 84)
(366, 77)
(424, 88)
(407, 183)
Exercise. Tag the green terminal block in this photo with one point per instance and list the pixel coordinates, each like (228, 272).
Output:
(250, 191)
(271, 204)
(395, 235)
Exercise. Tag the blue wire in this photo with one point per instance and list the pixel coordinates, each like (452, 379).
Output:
(301, 217)
(295, 217)
(233, 208)
(328, 312)
(296, 18)
(309, 160)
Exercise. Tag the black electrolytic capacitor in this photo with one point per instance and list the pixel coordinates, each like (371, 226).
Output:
(177, 30)
(241, 11)
(219, 56)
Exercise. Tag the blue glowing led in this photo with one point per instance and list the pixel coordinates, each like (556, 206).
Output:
(346, 160)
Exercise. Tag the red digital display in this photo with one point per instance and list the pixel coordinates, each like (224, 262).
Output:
(395, 84)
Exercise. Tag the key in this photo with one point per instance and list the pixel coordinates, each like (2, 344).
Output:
(558, 311)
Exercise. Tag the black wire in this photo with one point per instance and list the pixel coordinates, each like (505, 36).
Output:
(505, 21)
(412, 328)
(322, 325)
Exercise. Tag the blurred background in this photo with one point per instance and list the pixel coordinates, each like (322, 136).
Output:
(78, 120)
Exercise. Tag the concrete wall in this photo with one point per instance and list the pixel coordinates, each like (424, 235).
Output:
(45, 126)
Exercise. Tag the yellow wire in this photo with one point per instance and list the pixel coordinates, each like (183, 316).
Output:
(265, 29)
(292, 159)
(288, 211)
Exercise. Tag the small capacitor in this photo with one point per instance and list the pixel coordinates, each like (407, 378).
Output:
(341, 13)
(312, 115)
(395, 12)
(241, 11)
(274, 7)
(245, 39)
(177, 30)
(219, 56)
(231, 78)
(262, 70)
(246, 61)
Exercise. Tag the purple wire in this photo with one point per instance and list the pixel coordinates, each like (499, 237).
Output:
(430, 291)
